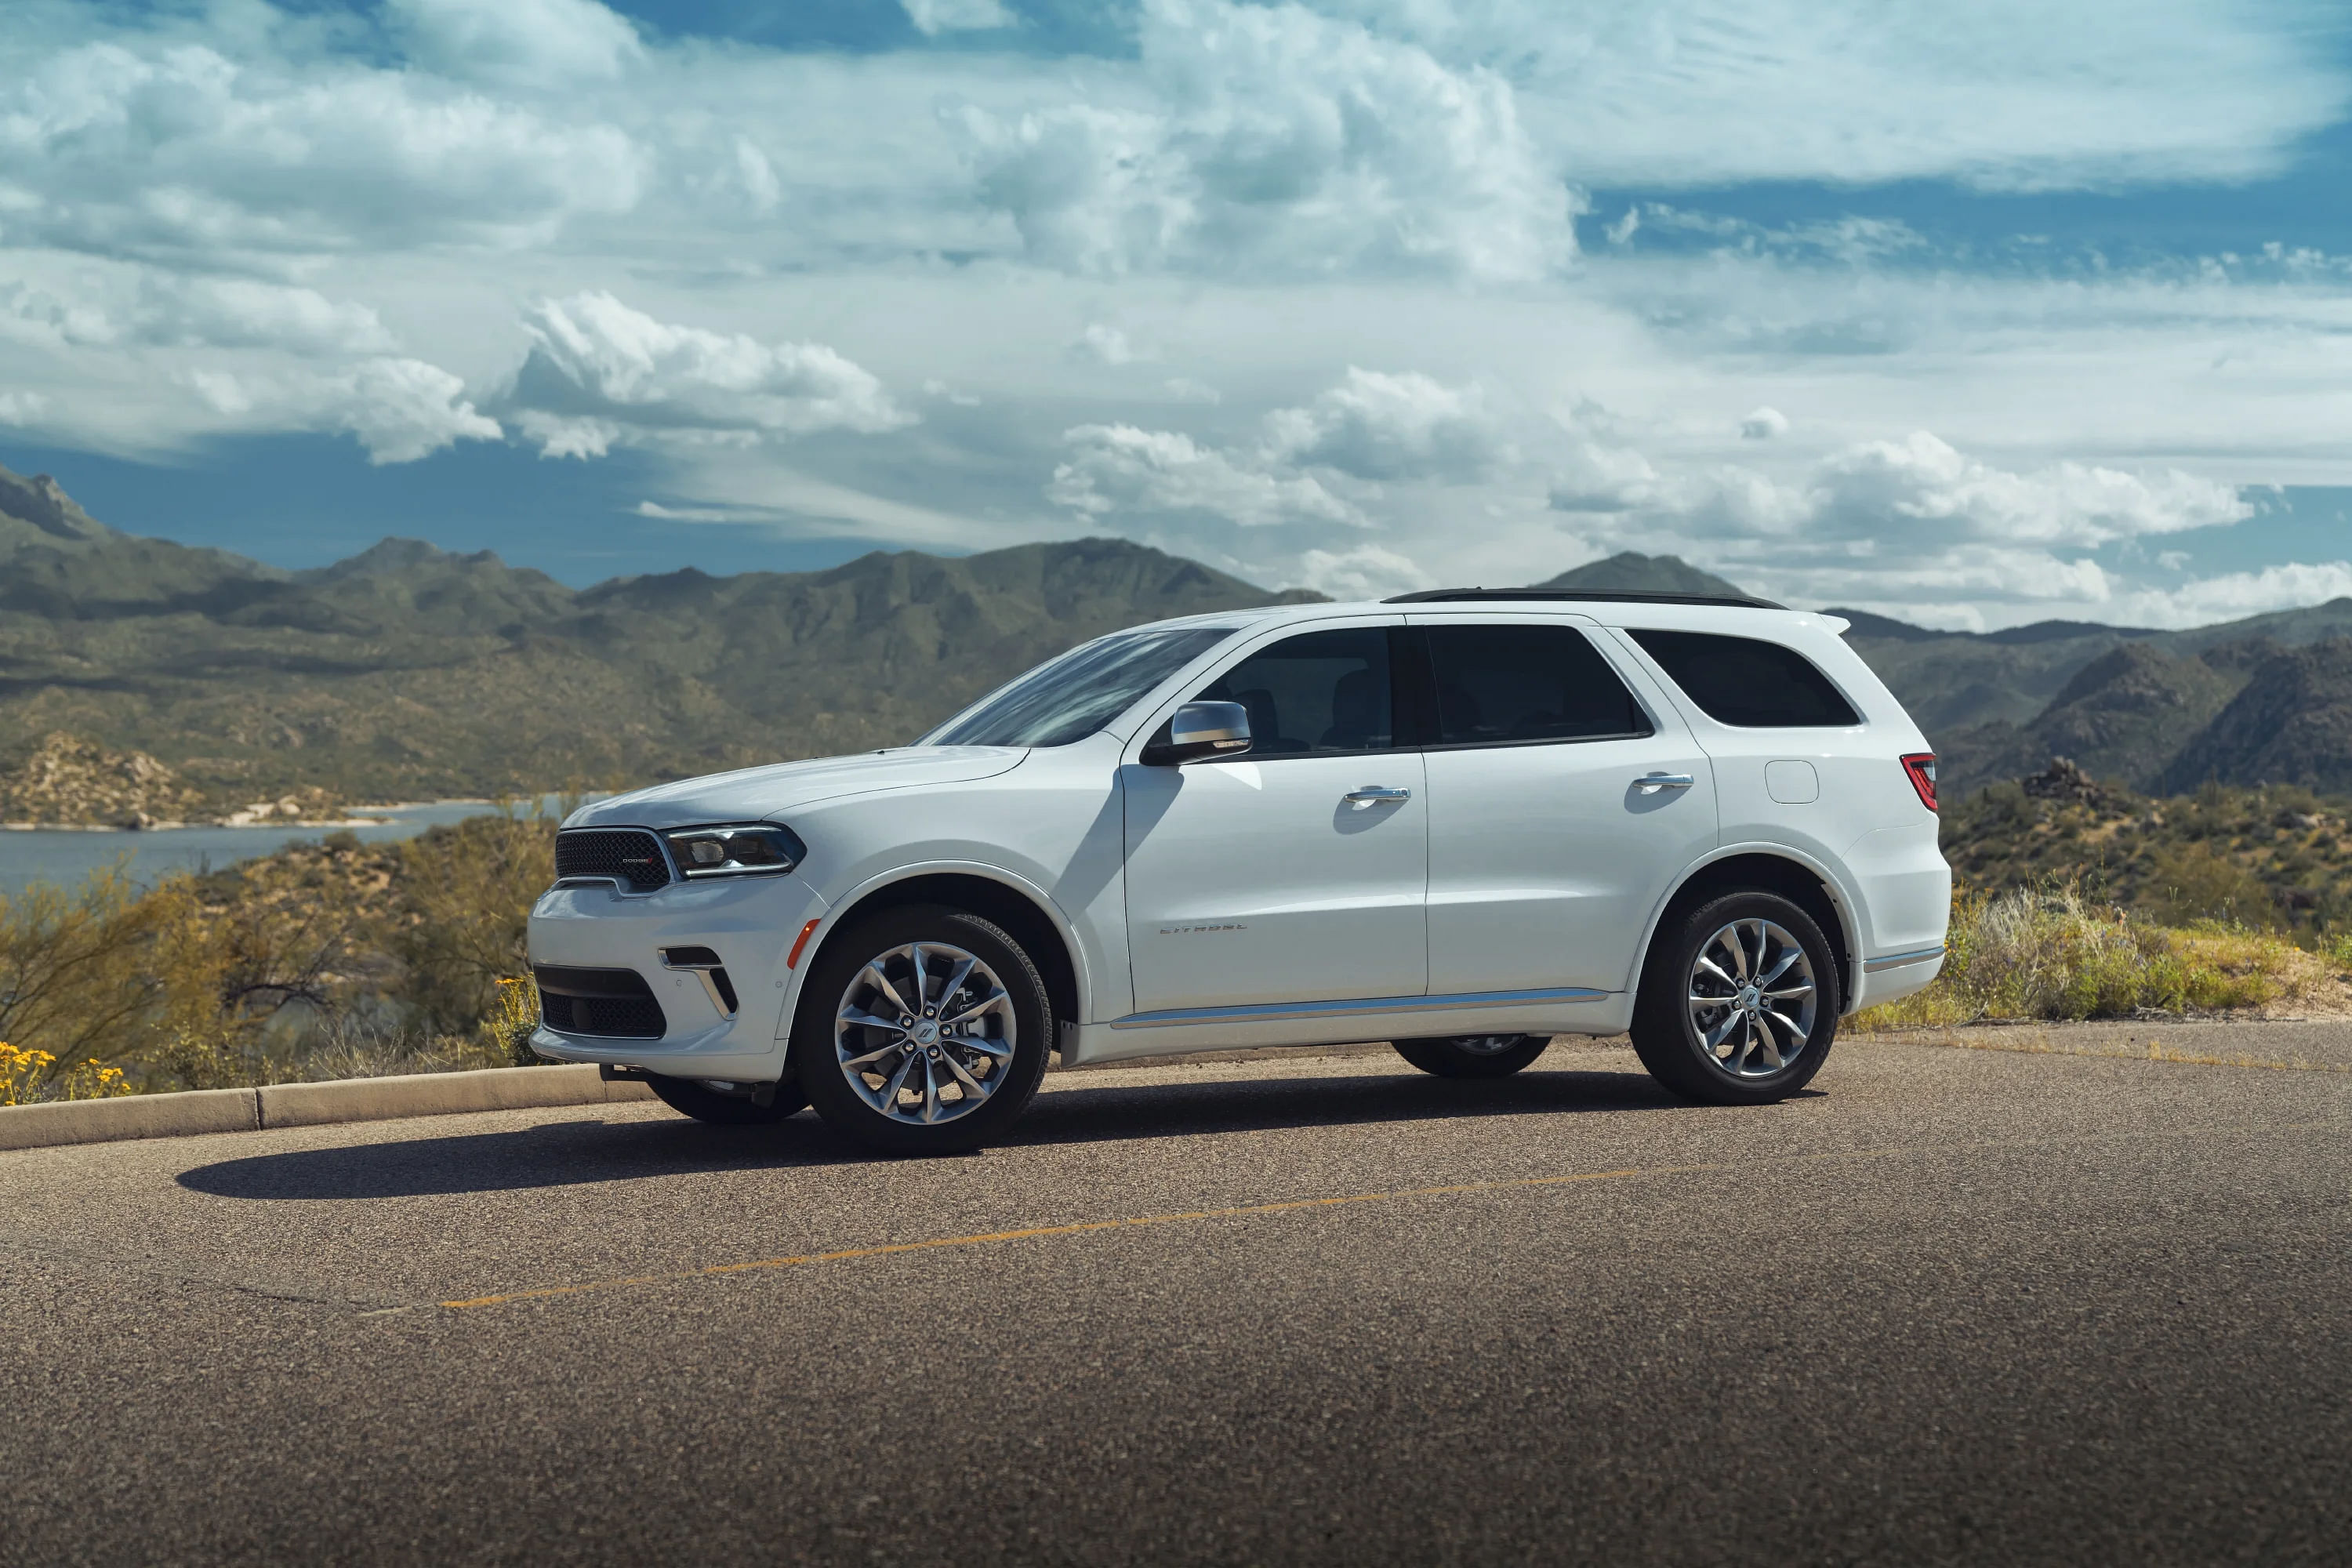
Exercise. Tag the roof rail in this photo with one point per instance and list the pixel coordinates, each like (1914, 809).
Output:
(1581, 596)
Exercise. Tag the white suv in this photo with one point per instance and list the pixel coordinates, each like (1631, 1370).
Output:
(1462, 821)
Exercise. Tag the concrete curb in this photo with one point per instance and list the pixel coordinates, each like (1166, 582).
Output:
(307, 1105)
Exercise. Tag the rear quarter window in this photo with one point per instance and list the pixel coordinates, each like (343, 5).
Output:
(1747, 681)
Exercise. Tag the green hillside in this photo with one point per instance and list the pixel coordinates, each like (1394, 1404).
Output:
(410, 672)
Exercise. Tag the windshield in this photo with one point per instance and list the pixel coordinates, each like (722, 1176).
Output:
(1070, 698)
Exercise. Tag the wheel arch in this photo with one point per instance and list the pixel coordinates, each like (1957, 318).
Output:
(1024, 913)
(1775, 869)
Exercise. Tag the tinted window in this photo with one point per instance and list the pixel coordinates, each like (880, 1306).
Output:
(1747, 681)
(1501, 684)
(1070, 698)
(1322, 691)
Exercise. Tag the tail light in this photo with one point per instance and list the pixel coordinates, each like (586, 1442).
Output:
(1921, 767)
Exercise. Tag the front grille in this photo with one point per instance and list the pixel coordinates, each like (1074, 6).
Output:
(631, 853)
(613, 1003)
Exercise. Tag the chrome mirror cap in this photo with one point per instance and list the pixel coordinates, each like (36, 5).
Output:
(1199, 733)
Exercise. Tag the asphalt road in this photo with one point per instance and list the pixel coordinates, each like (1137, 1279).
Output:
(1955, 1306)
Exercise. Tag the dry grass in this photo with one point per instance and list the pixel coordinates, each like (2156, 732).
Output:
(2034, 953)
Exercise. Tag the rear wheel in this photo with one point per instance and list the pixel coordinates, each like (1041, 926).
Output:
(731, 1107)
(1473, 1055)
(922, 1030)
(1739, 1001)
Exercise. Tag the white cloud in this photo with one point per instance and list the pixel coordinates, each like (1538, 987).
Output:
(2010, 94)
(227, 220)
(2235, 596)
(1366, 571)
(1274, 140)
(1915, 528)
(519, 43)
(80, 304)
(600, 372)
(1382, 426)
(1922, 488)
(155, 149)
(1763, 424)
(934, 16)
(1105, 344)
(398, 409)
(402, 409)
(1120, 469)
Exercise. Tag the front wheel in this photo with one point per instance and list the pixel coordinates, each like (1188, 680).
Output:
(1739, 1001)
(1473, 1055)
(922, 1030)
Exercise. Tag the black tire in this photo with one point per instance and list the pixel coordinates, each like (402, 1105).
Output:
(721, 1110)
(1666, 1034)
(827, 1079)
(1473, 1055)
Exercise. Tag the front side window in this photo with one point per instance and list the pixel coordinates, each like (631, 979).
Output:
(1749, 682)
(1501, 685)
(1320, 691)
(1068, 699)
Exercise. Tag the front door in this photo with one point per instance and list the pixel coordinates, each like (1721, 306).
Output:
(1548, 850)
(1294, 873)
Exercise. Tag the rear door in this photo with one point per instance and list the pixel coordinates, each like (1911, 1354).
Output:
(1294, 873)
(1565, 798)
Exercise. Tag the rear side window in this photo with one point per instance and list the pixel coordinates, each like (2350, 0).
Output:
(1322, 691)
(1749, 682)
(1501, 684)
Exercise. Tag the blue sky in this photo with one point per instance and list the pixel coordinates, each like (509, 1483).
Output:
(1973, 315)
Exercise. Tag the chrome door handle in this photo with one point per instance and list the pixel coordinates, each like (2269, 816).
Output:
(1375, 795)
(1651, 784)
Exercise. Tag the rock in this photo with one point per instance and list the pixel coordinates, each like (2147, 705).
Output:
(2063, 781)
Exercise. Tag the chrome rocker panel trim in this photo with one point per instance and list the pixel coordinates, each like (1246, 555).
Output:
(1901, 960)
(1363, 1007)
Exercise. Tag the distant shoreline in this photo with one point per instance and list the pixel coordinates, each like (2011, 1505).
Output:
(294, 824)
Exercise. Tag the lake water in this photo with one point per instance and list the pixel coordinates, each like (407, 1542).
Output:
(66, 857)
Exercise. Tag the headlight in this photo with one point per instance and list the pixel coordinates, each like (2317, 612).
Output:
(741, 850)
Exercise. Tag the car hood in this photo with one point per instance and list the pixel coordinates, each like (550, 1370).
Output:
(749, 795)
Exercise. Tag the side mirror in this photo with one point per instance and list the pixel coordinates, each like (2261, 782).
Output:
(1199, 731)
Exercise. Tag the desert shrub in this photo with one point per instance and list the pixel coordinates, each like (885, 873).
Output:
(354, 1045)
(28, 1077)
(513, 1018)
(2049, 954)
(2193, 883)
(464, 901)
(75, 983)
(325, 960)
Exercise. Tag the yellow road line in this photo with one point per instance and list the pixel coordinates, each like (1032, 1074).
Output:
(1082, 1227)
(1295, 1205)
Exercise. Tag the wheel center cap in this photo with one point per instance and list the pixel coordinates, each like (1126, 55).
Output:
(1749, 996)
(926, 1033)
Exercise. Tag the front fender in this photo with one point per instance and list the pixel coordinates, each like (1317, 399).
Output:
(1084, 964)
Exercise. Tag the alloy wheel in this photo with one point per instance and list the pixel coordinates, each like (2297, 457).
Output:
(924, 1033)
(1752, 998)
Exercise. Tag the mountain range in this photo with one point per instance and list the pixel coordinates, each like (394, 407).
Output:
(408, 672)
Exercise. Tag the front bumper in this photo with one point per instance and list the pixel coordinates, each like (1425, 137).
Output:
(749, 923)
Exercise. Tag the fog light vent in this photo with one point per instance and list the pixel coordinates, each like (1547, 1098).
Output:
(705, 962)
